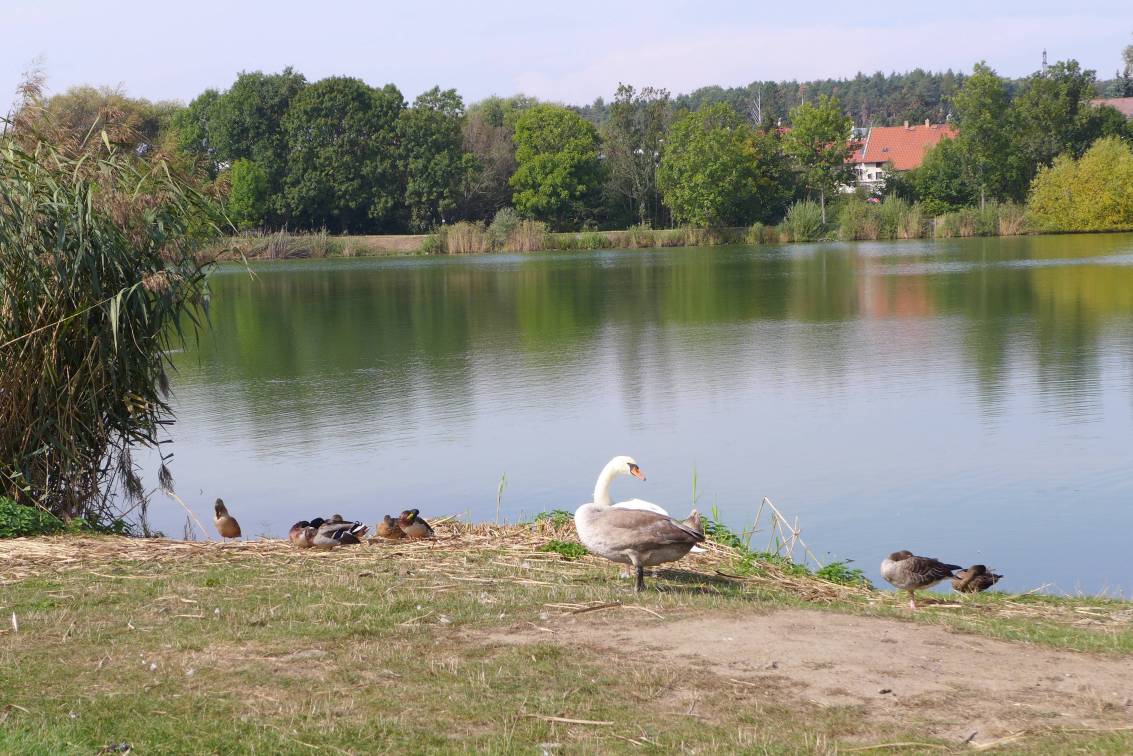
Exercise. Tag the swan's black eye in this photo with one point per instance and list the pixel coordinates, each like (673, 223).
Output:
(633, 468)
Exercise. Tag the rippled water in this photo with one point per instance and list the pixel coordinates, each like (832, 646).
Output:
(969, 399)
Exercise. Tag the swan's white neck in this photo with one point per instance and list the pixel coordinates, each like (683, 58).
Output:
(602, 487)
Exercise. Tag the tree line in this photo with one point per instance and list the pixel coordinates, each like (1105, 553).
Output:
(346, 157)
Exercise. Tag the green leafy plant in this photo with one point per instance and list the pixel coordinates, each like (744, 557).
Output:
(556, 517)
(803, 222)
(843, 574)
(18, 520)
(568, 549)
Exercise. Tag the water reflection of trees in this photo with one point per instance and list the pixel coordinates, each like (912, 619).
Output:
(376, 341)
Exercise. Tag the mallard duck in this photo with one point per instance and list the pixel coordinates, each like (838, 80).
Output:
(329, 534)
(638, 537)
(388, 528)
(974, 579)
(226, 524)
(413, 526)
(912, 573)
(301, 534)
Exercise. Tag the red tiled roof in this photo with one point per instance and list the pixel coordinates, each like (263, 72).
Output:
(903, 146)
(1122, 104)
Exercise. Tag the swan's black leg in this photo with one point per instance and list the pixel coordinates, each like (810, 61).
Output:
(640, 586)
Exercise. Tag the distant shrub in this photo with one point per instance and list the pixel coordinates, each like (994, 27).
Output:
(912, 225)
(528, 236)
(894, 218)
(17, 520)
(1012, 219)
(284, 245)
(590, 240)
(503, 224)
(465, 238)
(803, 222)
(759, 233)
(899, 219)
(858, 221)
(640, 237)
(1093, 193)
(432, 244)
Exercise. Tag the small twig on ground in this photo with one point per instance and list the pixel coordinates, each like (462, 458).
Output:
(643, 609)
(597, 608)
(566, 720)
(907, 744)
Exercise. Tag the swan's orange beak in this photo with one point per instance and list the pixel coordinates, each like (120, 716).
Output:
(636, 472)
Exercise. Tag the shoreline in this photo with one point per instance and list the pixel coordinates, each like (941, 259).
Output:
(324, 246)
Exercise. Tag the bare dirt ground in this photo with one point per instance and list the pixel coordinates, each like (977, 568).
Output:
(945, 684)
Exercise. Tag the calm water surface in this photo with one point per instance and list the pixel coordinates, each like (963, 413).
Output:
(970, 399)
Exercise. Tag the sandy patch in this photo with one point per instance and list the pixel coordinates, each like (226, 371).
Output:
(949, 683)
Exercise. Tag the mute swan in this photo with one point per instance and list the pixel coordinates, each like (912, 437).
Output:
(413, 526)
(226, 524)
(641, 504)
(336, 532)
(627, 535)
(911, 573)
(974, 579)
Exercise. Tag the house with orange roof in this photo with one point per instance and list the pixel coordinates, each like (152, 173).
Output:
(895, 148)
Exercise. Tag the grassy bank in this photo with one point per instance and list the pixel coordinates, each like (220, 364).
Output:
(855, 221)
(253, 647)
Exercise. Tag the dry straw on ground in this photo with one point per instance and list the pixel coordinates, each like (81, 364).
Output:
(481, 548)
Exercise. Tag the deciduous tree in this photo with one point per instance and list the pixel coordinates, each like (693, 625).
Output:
(819, 143)
(489, 128)
(985, 141)
(558, 175)
(342, 167)
(717, 171)
(632, 140)
(436, 166)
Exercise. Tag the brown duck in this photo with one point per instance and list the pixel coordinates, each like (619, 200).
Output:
(226, 524)
(413, 526)
(301, 535)
(388, 528)
(974, 579)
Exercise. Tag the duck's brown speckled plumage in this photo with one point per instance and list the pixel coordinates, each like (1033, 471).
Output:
(909, 572)
(974, 579)
(388, 528)
(225, 523)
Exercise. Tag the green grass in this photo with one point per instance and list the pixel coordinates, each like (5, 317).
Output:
(408, 649)
(558, 518)
(568, 549)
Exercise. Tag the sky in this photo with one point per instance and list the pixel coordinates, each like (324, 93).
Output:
(571, 51)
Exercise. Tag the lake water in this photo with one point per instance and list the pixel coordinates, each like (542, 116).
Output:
(969, 399)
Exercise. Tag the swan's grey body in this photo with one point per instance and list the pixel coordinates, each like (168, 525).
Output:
(637, 537)
(912, 573)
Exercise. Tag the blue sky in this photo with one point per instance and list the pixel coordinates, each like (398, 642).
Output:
(570, 51)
